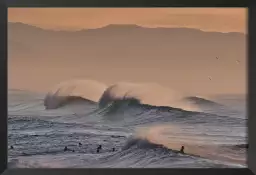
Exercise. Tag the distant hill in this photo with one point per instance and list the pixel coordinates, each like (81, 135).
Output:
(182, 58)
(127, 41)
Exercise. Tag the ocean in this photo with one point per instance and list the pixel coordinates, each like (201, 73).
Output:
(133, 133)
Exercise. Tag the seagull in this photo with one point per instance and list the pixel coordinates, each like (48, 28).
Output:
(217, 58)
(237, 61)
(210, 78)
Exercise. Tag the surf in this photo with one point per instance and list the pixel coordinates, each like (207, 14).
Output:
(142, 135)
(71, 91)
(172, 137)
(146, 93)
(79, 91)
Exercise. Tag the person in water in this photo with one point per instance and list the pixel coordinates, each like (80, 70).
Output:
(80, 144)
(99, 148)
(113, 149)
(11, 147)
(182, 150)
(66, 148)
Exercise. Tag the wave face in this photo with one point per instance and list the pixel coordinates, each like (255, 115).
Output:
(147, 93)
(203, 102)
(138, 125)
(91, 92)
(73, 91)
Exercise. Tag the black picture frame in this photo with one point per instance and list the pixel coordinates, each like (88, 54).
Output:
(134, 3)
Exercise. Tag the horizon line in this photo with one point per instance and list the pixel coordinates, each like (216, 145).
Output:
(139, 26)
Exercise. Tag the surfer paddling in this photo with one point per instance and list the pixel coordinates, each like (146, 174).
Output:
(182, 150)
(67, 149)
(99, 148)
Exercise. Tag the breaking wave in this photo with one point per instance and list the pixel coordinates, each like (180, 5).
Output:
(170, 137)
(199, 101)
(122, 95)
(147, 93)
(74, 91)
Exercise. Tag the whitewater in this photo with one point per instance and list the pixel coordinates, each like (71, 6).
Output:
(138, 125)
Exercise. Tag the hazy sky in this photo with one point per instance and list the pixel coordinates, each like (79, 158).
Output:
(102, 65)
(213, 19)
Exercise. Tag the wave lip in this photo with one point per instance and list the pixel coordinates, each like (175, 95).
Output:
(70, 91)
(203, 102)
(122, 94)
(145, 93)
(143, 143)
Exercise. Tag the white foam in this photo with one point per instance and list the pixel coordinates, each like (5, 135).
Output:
(147, 93)
(86, 89)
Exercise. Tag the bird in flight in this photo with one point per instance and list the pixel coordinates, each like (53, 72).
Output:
(237, 61)
(210, 78)
(217, 58)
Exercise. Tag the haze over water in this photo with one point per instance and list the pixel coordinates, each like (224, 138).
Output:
(144, 86)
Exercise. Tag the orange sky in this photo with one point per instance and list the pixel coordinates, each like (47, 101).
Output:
(228, 77)
(208, 19)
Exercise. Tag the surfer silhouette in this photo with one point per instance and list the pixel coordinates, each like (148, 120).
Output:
(80, 144)
(113, 149)
(182, 150)
(99, 148)
(66, 148)
(11, 147)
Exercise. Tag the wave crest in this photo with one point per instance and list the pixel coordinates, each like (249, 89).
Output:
(120, 95)
(147, 93)
(172, 137)
(74, 90)
(143, 144)
(203, 102)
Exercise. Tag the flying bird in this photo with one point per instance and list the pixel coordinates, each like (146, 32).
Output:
(217, 58)
(237, 61)
(210, 78)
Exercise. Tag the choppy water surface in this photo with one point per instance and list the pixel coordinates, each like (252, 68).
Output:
(141, 135)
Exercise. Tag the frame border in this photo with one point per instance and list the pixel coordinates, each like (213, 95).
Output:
(3, 87)
(126, 171)
(251, 85)
(118, 3)
(130, 3)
